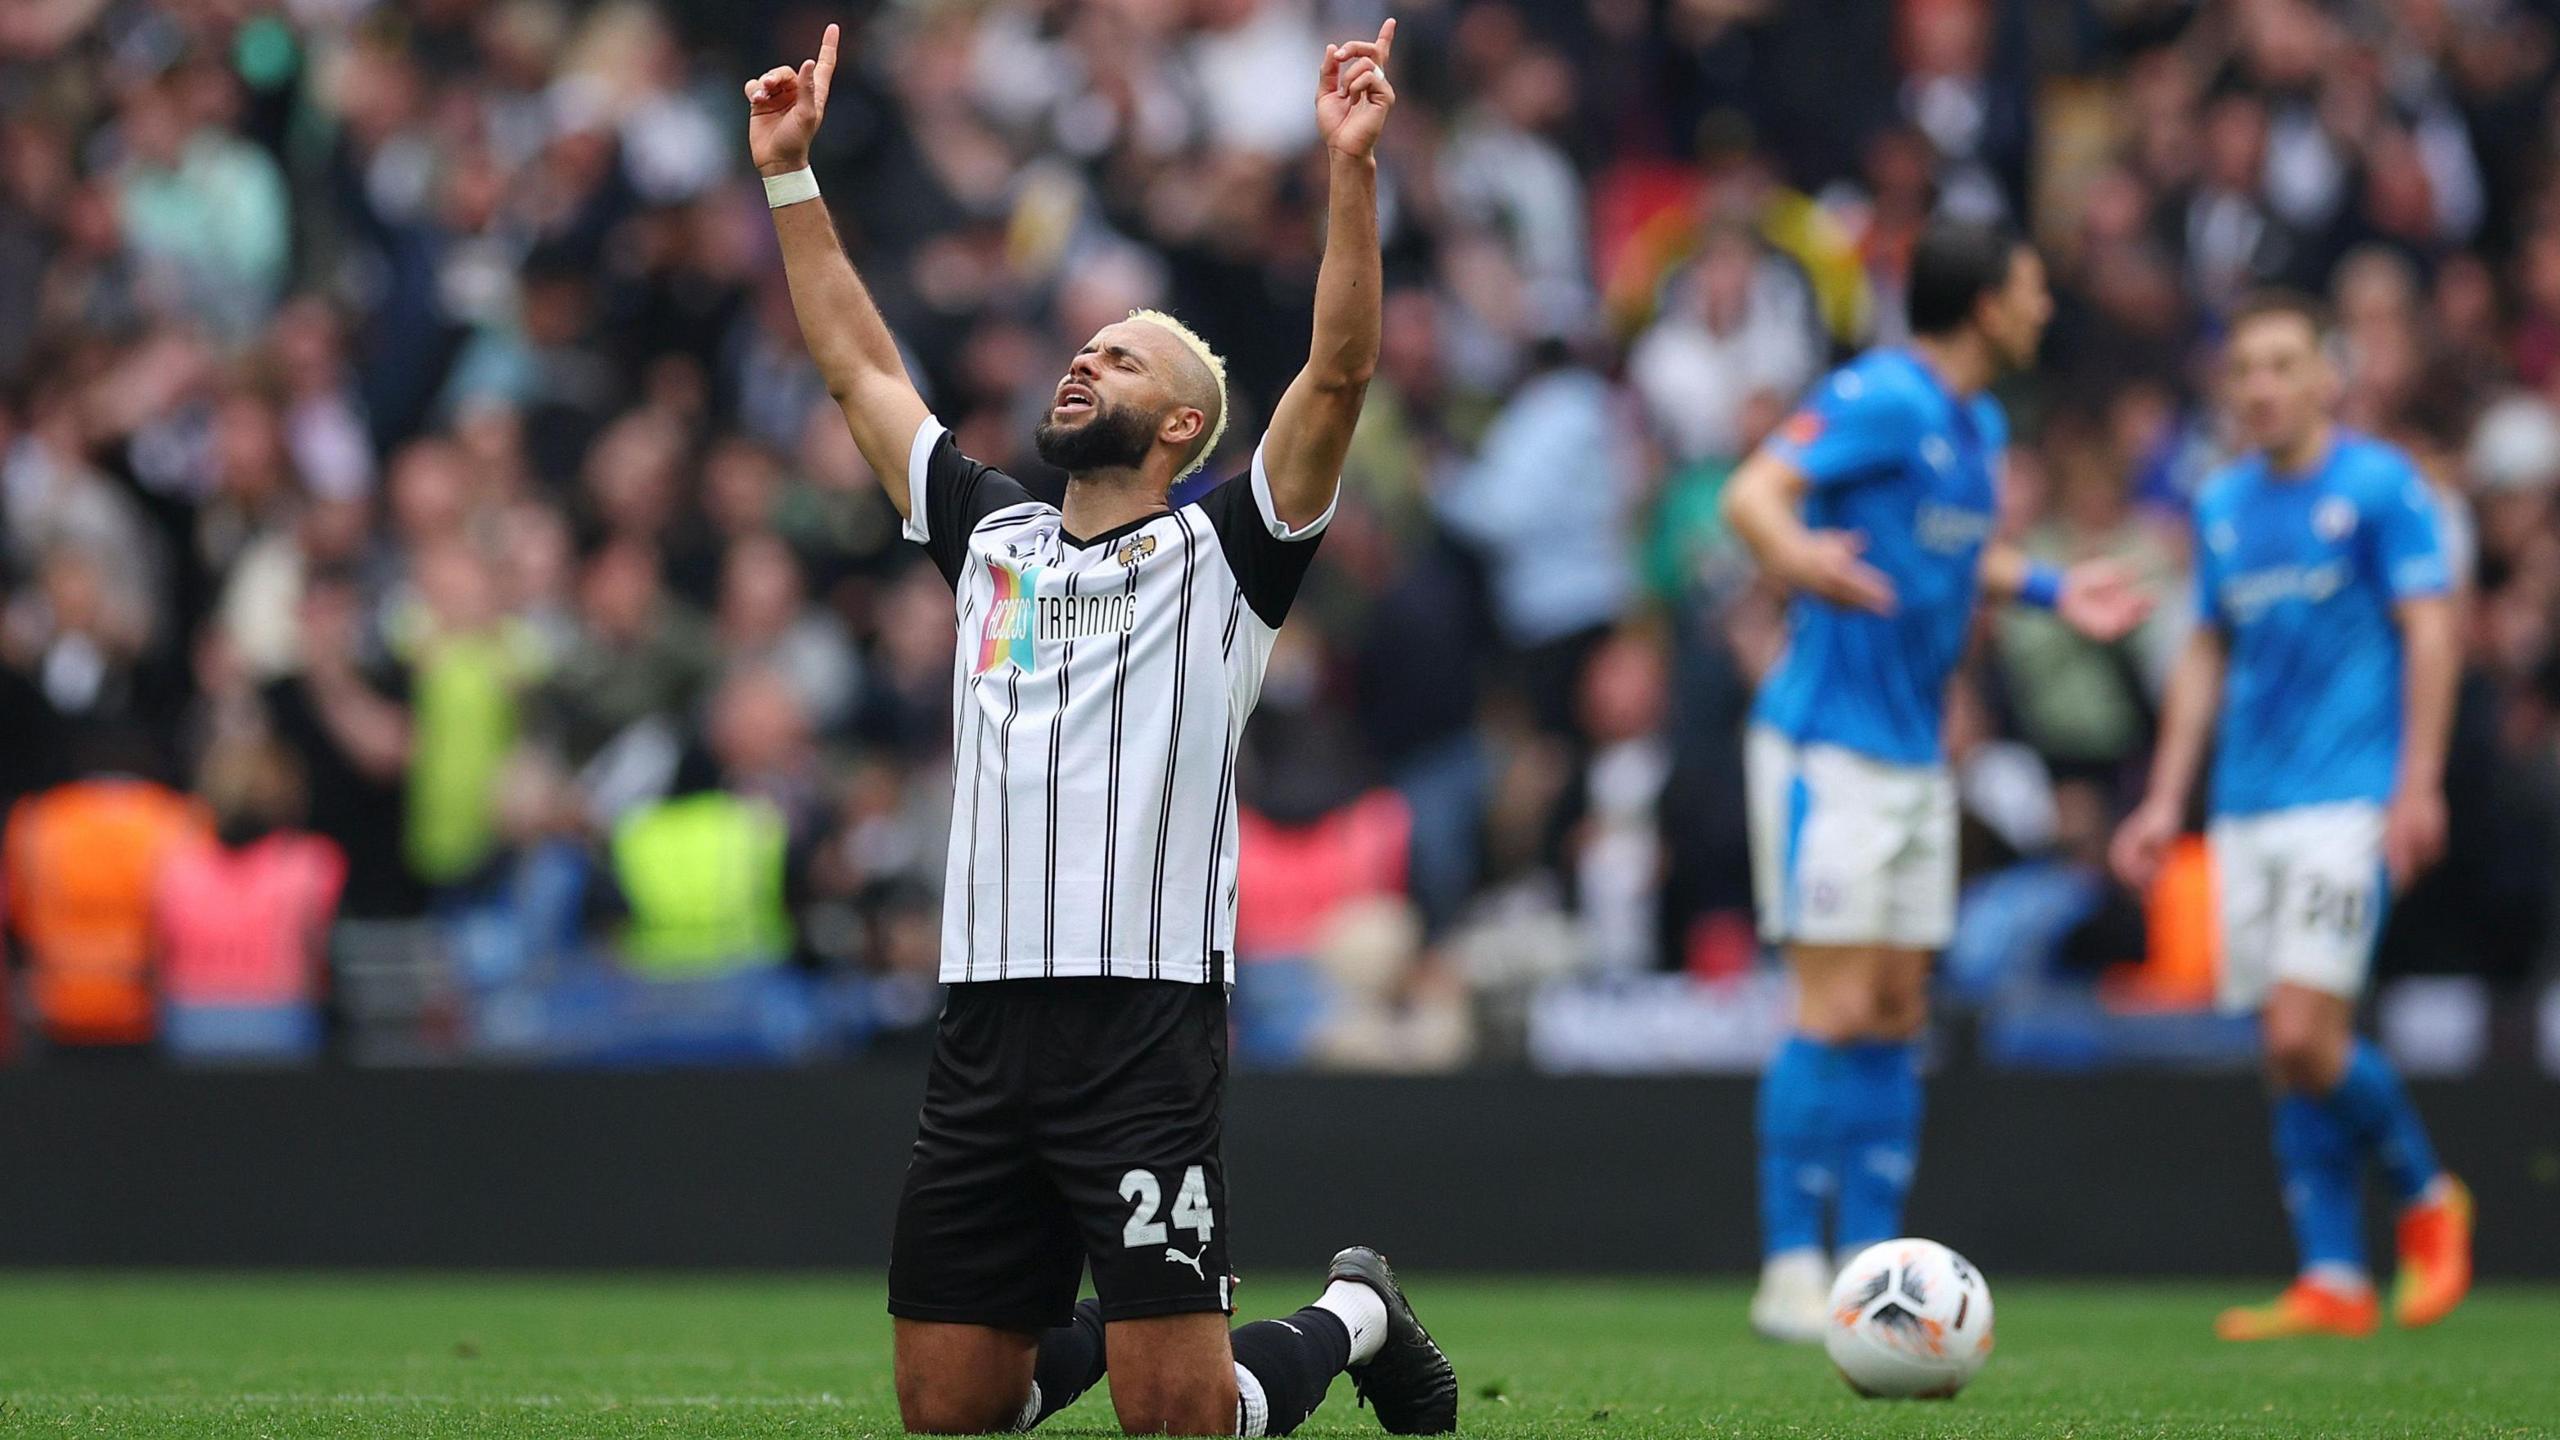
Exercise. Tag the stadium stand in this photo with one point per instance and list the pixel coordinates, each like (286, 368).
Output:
(412, 388)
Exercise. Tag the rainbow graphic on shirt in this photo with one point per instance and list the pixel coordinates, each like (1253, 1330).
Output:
(1009, 638)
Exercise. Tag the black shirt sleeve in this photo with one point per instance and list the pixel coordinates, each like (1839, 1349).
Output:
(957, 493)
(1267, 568)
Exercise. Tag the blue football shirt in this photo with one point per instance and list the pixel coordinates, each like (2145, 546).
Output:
(1892, 455)
(2301, 574)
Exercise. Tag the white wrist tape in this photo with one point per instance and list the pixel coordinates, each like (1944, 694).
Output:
(790, 188)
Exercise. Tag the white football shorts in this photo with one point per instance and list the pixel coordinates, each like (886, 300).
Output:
(2301, 894)
(1847, 849)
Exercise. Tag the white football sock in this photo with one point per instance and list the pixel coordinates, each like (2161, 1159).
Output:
(1030, 1415)
(1253, 1408)
(1798, 1265)
(1362, 1311)
(2338, 1277)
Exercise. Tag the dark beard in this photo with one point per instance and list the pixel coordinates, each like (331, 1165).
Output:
(1114, 438)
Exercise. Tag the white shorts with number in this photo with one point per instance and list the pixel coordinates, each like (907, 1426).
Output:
(2301, 894)
(1847, 849)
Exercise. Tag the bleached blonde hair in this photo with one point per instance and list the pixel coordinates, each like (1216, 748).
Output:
(1217, 367)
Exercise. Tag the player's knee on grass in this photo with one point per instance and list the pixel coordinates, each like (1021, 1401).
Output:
(946, 1410)
(962, 1379)
(1173, 1375)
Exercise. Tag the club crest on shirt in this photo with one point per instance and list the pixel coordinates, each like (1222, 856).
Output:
(2333, 517)
(1135, 549)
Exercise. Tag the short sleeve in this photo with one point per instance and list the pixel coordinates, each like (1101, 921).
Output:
(1991, 424)
(2408, 538)
(949, 495)
(1851, 429)
(1268, 556)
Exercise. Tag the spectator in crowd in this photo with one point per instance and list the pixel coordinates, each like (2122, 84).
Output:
(636, 655)
(242, 914)
(1545, 504)
(703, 873)
(469, 666)
(1738, 333)
(82, 872)
(765, 620)
(342, 715)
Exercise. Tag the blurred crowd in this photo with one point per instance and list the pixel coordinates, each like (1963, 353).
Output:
(446, 615)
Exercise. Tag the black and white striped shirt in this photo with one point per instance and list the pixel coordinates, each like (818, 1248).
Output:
(1098, 694)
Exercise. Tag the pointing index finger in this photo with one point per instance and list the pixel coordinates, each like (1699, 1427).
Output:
(1386, 39)
(826, 63)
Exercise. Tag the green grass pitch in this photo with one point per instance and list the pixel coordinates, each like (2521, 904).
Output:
(424, 1356)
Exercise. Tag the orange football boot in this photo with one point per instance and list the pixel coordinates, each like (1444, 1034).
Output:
(2306, 1309)
(2435, 1257)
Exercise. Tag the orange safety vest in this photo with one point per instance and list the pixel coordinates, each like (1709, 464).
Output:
(83, 865)
(2185, 963)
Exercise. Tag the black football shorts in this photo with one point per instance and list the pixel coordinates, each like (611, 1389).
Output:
(1067, 1123)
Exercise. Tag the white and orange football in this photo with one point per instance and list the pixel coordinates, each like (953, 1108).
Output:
(1910, 1319)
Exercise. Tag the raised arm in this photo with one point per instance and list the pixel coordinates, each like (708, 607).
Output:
(842, 328)
(1310, 430)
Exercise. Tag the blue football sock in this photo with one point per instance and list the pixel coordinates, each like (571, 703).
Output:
(1878, 1096)
(2322, 1163)
(1799, 1145)
(2374, 1105)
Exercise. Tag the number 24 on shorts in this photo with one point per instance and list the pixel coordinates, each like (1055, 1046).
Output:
(1190, 1207)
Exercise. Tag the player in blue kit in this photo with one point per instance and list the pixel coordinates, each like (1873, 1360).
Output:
(2326, 648)
(1874, 506)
